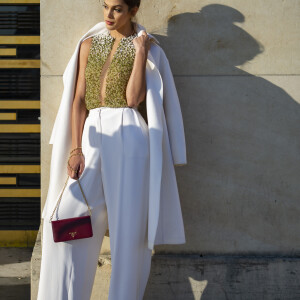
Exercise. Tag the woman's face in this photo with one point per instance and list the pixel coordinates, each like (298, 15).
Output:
(116, 11)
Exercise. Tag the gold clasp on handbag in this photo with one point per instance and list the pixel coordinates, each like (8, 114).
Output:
(73, 233)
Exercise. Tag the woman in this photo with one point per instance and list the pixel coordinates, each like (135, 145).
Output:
(125, 164)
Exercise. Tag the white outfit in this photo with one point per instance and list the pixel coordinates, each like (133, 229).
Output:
(167, 143)
(160, 205)
(115, 143)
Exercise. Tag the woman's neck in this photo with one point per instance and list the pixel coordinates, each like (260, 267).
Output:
(119, 36)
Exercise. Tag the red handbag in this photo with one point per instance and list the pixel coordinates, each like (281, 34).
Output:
(72, 228)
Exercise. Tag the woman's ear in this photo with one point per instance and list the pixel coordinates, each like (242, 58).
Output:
(134, 11)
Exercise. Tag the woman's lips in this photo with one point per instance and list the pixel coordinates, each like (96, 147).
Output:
(109, 23)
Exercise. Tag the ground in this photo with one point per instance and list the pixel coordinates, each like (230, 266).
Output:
(15, 273)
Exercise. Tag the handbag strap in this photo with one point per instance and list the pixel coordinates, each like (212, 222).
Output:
(58, 201)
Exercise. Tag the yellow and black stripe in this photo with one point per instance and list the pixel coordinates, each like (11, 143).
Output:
(19, 122)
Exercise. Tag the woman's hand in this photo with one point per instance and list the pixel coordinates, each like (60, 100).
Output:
(142, 42)
(77, 162)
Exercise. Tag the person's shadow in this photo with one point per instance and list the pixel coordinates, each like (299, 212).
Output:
(240, 188)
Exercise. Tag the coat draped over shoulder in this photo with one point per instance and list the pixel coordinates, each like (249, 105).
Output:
(166, 137)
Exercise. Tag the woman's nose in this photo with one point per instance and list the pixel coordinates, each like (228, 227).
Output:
(110, 14)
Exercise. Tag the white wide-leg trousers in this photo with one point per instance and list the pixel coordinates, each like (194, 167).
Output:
(115, 143)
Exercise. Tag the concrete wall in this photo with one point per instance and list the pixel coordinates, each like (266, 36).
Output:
(236, 67)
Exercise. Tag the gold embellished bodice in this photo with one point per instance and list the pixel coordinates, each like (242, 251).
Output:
(106, 76)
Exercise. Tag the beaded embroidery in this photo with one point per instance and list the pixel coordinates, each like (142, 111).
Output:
(118, 72)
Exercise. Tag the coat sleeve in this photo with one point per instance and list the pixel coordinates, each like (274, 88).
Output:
(173, 113)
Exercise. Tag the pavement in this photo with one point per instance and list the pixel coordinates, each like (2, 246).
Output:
(15, 273)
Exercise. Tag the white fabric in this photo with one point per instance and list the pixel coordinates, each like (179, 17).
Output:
(167, 142)
(116, 149)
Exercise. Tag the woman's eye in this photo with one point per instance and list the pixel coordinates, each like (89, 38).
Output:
(118, 10)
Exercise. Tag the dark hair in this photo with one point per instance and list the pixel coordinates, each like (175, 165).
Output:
(132, 3)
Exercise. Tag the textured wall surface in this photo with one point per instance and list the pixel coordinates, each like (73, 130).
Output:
(236, 67)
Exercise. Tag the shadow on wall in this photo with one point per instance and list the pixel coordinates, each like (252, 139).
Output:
(240, 189)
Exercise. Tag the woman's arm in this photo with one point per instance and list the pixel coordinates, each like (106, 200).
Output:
(79, 111)
(136, 86)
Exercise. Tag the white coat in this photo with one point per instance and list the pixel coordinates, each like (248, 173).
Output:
(166, 136)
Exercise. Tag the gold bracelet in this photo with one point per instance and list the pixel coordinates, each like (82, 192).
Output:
(75, 149)
(78, 153)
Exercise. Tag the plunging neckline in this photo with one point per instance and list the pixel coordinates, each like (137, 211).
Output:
(111, 56)
(119, 43)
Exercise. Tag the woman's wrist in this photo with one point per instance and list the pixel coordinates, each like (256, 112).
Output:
(142, 52)
(77, 149)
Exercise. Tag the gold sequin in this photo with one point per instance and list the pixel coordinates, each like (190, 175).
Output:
(118, 72)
